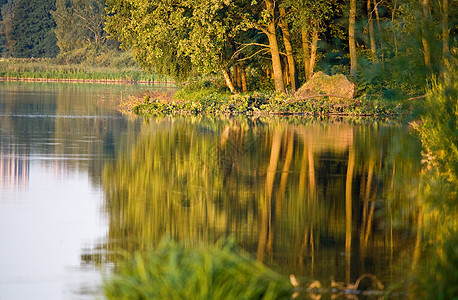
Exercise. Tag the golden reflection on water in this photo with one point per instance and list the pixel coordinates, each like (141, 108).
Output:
(319, 199)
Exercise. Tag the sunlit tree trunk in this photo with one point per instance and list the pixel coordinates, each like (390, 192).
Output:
(289, 49)
(266, 226)
(227, 79)
(313, 49)
(351, 38)
(273, 45)
(305, 48)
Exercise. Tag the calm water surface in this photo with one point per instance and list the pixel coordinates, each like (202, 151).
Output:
(79, 181)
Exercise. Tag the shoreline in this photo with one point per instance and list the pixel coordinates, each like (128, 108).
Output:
(100, 81)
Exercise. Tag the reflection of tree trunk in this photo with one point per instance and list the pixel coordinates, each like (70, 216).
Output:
(417, 249)
(289, 49)
(273, 46)
(348, 212)
(312, 180)
(366, 199)
(312, 199)
(285, 172)
(351, 37)
(301, 194)
(266, 238)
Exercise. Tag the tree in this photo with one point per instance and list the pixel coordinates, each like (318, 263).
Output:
(310, 18)
(289, 49)
(32, 27)
(270, 31)
(79, 23)
(6, 17)
(351, 38)
(180, 39)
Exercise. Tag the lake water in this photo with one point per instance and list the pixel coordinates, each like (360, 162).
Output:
(79, 181)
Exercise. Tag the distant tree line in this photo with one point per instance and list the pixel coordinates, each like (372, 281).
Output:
(72, 31)
(391, 46)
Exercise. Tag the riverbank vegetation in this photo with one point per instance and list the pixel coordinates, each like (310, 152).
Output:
(49, 69)
(437, 277)
(391, 50)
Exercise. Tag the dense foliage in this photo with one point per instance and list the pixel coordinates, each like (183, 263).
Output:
(391, 48)
(438, 277)
(28, 28)
(399, 44)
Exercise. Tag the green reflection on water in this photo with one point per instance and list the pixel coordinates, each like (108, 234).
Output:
(318, 199)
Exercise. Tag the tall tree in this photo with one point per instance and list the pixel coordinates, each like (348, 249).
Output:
(79, 23)
(5, 27)
(178, 39)
(32, 27)
(351, 37)
(424, 36)
(289, 49)
(270, 31)
(309, 17)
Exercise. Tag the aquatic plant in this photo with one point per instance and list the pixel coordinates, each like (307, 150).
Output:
(172, 271)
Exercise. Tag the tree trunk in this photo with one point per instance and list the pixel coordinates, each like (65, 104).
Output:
(424, 39)
(286, 79)
(351, 38)
(227, 79)
(377, 15)
(313, 48)
(371, 29)
(445, 33)
(274, 51)
(305, 48)
(243, 77)
(289, 50)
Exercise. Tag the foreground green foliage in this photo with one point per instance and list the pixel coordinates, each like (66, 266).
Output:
(172, 271)
(438, 278)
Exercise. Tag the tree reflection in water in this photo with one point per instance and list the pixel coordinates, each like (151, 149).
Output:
(317, 199)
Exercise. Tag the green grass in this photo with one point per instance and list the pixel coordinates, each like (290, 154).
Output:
(13, 68)
(172, 271)
(214, 102)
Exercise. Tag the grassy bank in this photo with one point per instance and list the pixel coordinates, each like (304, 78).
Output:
(211, 101)
(51, 70)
